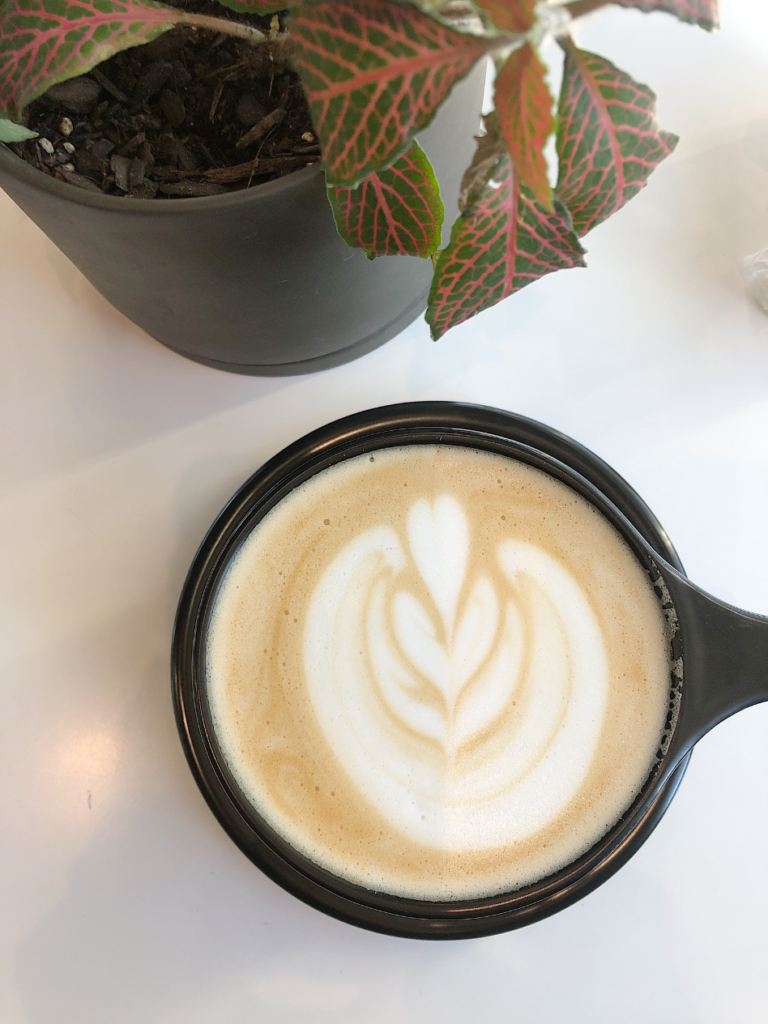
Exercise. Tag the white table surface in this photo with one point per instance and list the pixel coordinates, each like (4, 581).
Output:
(122, 898)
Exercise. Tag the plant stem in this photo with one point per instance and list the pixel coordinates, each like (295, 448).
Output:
(230, 28)
(576, 8)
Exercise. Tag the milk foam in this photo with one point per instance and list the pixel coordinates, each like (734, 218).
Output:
(369, 657)
(438, 672)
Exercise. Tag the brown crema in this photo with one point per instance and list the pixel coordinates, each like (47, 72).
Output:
(438, 672)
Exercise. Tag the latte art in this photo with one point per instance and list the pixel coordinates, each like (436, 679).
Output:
(437, 672)
(418, 702)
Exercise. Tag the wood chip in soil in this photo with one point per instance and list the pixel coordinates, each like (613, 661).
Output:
(190, 114)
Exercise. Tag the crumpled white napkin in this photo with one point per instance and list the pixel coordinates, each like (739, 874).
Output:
(754, 269)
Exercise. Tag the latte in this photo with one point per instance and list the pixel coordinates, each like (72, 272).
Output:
(438, 672)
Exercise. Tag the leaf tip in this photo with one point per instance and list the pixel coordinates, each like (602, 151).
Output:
(435, 331)
(670, 139)
(10, 131)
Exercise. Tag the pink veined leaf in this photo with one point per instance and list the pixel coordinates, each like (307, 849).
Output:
(47, 41)
(397, 211)
(608, 140)
(699, 12)
(510, 15)
(502, 241)
(375, 72)
(524, 106)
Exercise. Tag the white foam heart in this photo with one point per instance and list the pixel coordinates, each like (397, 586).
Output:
(438, 536)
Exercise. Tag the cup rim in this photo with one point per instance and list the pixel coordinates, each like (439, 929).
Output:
(425, 423)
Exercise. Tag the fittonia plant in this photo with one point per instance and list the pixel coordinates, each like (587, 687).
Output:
(375, 73)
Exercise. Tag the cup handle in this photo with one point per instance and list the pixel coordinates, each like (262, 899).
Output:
(725, 660)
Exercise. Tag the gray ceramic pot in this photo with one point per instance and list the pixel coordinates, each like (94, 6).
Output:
(256, 281)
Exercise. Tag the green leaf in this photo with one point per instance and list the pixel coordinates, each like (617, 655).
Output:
(375, 72)
(524, 106)
(502, 241)
(43, 42)
(510, 15)
(608, 140)
(699, 12)
(12, 132)
(395, 212)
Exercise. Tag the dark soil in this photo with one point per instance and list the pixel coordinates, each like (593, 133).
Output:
(192, 113)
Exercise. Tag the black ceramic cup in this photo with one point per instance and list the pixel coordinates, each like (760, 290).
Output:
(724, 656)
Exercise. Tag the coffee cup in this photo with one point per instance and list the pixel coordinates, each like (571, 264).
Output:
(438, 801)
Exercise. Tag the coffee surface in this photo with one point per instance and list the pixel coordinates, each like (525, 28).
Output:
(438, 672)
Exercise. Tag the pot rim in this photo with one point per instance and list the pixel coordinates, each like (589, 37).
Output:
(29, 175)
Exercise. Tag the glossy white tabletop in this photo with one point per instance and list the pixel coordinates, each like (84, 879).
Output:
(122, 899)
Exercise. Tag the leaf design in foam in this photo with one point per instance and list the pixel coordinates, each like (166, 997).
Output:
(397, 711)
(486, 698)
(451, 665)
(417, 637)
(475, 634)
(575, 654)
(398, 685)
(438, 536)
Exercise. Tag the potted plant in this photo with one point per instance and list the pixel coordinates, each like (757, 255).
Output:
(258, 280)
